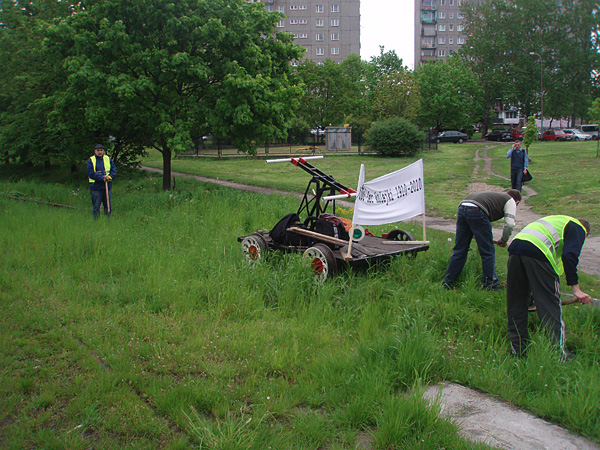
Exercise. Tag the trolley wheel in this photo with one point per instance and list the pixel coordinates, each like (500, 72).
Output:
(254, 247)
(401, 235)
(322, 261)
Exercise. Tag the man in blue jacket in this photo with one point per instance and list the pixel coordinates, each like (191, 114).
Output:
(519, 161)
(101, 170)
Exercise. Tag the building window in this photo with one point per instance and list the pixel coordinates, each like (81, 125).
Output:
(441, 52)
(319, 8)
(459, 2)
(320, 51)
(294, 8)
(450, 52)
(452, 15)
(442, 2)
(450, 40)
(302, 35)
(280, 24)
(441, 27)
(335, 22)
(451, 27)
(293, 21)
(460, 27)
(269, 8)
(319, 37)
(428, 42)
(281, 9)
(451, 2)
(335, 36)
(428, 3)
(335, 8)
(303, 7)
(319, 22)
(460, 40)
(459, 15)
(442, 15)
(335, 51)
(441, 40)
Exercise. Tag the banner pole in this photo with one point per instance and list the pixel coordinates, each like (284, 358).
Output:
(424, 229)
(348, 256)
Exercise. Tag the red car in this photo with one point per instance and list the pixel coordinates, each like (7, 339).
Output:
(517, 134)
(556, 135)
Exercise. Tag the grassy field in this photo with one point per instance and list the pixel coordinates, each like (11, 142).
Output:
(566, 175)
(147, 331)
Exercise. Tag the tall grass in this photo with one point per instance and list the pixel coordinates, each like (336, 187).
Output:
(148, 330)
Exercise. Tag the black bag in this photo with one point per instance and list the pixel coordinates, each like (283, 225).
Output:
(527, 176)
(331, 226)
(282, 236)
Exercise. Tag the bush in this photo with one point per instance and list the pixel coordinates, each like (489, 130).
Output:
(394, 137)
(298, 131)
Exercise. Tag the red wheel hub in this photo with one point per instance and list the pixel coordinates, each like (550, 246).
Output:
(317, 265)
(253, 252)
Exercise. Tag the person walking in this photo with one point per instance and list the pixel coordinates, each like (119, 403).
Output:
(474, 219)
(101, 170)
(519, 162)
(538, 255)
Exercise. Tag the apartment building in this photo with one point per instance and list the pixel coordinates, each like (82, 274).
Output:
(438, 29)
(326, 29)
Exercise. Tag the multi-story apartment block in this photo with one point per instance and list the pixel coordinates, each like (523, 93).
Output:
(325, 28)
(438, 29)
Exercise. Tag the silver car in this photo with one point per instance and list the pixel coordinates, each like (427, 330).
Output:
(578, 135)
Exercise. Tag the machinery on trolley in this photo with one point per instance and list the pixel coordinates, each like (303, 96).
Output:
(321, 236)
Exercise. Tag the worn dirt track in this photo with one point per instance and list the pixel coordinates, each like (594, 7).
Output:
(590, 257)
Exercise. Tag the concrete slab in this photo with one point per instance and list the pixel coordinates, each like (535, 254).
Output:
(499, 424)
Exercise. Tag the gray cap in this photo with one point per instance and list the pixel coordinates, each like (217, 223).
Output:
(98, 146)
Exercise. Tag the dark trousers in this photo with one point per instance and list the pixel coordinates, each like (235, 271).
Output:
(516, 179)
(531, 277)
(473, 222)
(98, 198)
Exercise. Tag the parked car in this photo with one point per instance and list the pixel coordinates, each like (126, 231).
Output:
(556, 135)
(590, 129)
(577, 135)
(517, 134)
(499, 135)
(450, 136)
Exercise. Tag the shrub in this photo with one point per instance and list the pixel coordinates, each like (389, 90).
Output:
(298, 131)
(394, 137)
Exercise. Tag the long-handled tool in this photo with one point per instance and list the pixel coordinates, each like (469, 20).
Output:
(107, 197)
(570, 299)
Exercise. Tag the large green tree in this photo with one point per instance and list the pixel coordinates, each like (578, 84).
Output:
(450, 95)
(332, 91)
(156, 72)
(503, 34)
(28, 77)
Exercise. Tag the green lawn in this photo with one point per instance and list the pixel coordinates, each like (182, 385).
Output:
(148, 331)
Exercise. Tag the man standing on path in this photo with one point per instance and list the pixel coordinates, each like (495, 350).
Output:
(101, 170)
(538, 255)
(474, 219)
(519, 161)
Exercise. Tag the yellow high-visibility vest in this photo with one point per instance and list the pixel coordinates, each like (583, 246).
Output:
(547, 234)
(106, 165)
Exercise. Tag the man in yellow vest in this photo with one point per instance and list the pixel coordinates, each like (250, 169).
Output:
(101, 170)
(538, 255)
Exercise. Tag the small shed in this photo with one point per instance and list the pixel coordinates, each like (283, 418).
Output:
(338, 138)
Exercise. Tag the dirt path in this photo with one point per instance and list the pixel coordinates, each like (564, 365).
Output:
(590, 256)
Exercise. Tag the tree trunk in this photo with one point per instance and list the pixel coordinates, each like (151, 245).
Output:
(166, 152)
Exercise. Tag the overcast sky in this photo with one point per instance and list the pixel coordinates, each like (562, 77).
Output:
(389, 23)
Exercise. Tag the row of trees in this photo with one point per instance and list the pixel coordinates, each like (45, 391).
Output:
(155, 73)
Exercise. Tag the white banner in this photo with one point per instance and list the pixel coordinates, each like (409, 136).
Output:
(391, 198)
